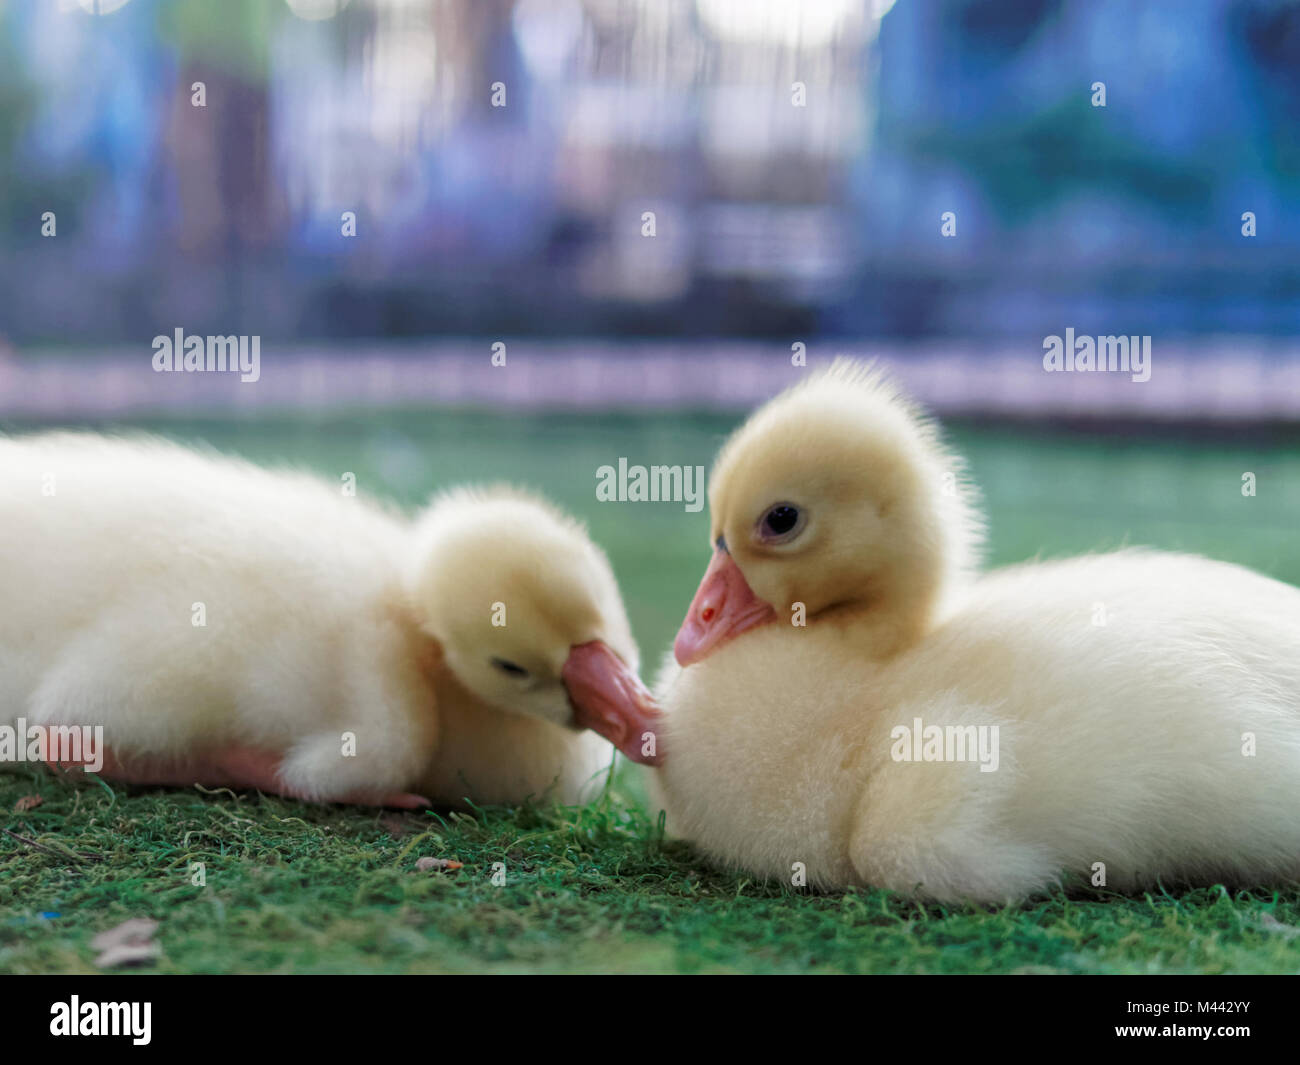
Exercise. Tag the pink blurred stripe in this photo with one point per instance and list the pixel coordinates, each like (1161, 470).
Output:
(1214, 380)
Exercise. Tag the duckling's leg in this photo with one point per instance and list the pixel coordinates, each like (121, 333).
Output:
(250, 768)
(232, 767)
(386, 727)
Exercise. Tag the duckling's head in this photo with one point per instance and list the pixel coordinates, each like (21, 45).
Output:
(528, 614)
(836, 502)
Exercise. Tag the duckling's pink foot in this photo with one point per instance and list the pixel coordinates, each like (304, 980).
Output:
(260, 770)
(231, 767)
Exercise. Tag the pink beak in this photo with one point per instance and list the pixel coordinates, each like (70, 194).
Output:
(723, 607)
(609, 698)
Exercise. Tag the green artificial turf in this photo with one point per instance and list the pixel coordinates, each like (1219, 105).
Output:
(297, 888)
(293, 888)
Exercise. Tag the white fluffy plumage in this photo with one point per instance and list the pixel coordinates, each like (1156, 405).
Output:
(1162, 743)
(321, 614)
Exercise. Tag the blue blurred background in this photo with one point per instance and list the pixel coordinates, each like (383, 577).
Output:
(799, 156)
(772, 219)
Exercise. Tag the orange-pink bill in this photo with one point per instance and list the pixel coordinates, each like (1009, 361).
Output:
(609, 698)
(724, 606)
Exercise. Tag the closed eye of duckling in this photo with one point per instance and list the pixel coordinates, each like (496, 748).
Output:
(509, 668)
(780, 524)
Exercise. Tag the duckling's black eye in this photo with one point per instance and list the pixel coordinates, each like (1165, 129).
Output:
(509, 668)
(781, 522)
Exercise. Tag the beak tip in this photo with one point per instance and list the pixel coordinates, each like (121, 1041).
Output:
(724, 606)
(691, 642)
(684, 658)
(608, 697)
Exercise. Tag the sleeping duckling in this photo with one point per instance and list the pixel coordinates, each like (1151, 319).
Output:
(229, 625)
(853, 704)
(561, 650)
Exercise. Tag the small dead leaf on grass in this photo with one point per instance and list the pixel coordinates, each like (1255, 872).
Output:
(27, 802)
(130, 943)
(430, 865)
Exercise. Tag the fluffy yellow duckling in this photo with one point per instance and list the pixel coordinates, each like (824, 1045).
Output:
(852, 704)
(230, 625)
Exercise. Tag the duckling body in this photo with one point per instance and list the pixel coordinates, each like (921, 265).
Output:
(209, 614)
(1139, 714)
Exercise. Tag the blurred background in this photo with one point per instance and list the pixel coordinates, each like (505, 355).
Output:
(388, 192)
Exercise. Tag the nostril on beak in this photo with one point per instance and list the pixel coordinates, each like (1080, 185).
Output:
(707, 613)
